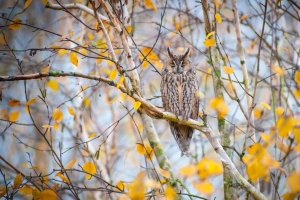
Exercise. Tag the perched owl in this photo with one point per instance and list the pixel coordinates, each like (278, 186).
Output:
(179, 88)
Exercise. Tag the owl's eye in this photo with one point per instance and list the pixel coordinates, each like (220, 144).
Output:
(182, 65)
(173, 65)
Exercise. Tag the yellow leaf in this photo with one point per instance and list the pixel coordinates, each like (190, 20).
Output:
(15, 24)
(283, 147)
(293, 182)
(152, 183)
(257, 112)
(13, 116)
(297, 77)
(30, 101)
(145, 64)
(53, 84)
(149, 53)
(228, 69)
(218, 18)
(27, 3)
(86, 102)
(57, 115)
(55, 47)
(129, 29)
(170, 193)
(113, 74)
(71, 163)
(150, 5)
(188, 170)
(267, 106)
(47, 126)
(209, 42)
(149, 152)
(210, 34)
(244, 16)
(219, 105)
(140, 148)
(120, 185)
(55, 186)
(71, 110)
(112, 100)
(90, 168)
(204, 187)
(2, 191)
(56, 126)
(46, 194)
(121, 80)
(90, 35)
(297, 93)
(289, 196)
(83, 51)
(65, 179)
(74, 59)
(285, 125)
(136, 105)
(17, 181)
(297, 134)
(277, 69)
(13, 102)
(297, 148)
(159, 64)
(279, 110)
(62, 51)
(46, 69)
(164, 173)
(25, 190)
(92, 135)
(207, 167)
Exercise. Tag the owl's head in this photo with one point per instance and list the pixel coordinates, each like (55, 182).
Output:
(178, 63)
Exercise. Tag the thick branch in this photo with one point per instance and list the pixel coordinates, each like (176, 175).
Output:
(154, 112)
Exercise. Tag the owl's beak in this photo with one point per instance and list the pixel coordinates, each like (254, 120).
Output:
(179, 70)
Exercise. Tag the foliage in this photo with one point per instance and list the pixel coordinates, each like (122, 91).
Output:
(78, 79)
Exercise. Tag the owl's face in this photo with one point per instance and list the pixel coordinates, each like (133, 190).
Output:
(178, 64)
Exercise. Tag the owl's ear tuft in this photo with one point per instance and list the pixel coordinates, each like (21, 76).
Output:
(186, 53)
(170, 52)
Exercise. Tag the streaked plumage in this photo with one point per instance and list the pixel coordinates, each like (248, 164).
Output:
(179, 86)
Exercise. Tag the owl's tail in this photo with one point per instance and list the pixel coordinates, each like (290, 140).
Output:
(183, 136)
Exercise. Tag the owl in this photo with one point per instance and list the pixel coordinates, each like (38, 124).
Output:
(179, 86)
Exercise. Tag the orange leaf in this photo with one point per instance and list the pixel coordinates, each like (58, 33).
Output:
(62, 51)
(13, 102)
(74, 59)
(30, 101)
(13, 116)
(164, 173)
(297, 77)
(57, 115)
(27, 3)
(71, 110)
(14, 24)
(92, 135)
(188, 170)
(140, 148)
(25, 190)
(150, 5)
(65, 179)
(218, 18)
(17, 181)
(90, 168)
(209, 42)
(53, 84)
(228, 69)
(71, 163)
(136, 105)
(204, 187)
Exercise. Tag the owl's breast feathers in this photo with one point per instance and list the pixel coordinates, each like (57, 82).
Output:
(179, 93)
